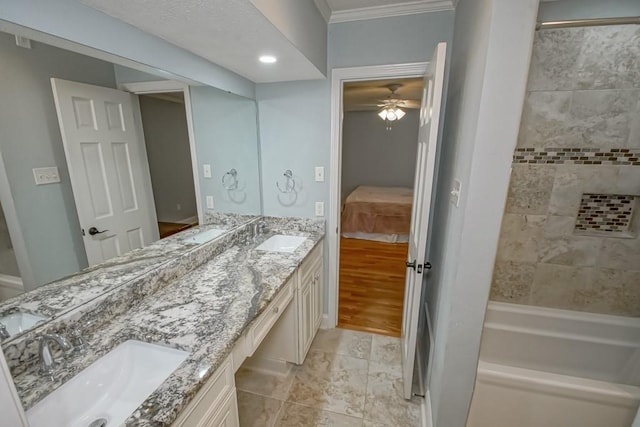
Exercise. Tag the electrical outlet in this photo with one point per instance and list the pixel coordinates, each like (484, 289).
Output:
(46, 175)
(319, 173)
(319, 208)
(206, 171)
(209, 202)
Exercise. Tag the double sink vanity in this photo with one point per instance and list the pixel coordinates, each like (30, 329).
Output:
(154, 337)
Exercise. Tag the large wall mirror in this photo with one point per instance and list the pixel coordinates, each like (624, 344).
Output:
(105, 159)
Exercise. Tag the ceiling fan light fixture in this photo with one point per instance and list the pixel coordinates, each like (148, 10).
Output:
(399, 113)
(391, 114)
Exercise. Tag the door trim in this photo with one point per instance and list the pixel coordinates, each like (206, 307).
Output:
(161, 86)
(338, 77)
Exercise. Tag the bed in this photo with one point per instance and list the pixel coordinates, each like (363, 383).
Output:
(378, 213)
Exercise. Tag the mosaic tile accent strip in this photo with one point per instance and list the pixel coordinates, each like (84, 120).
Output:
(579, 156)
(605, 212)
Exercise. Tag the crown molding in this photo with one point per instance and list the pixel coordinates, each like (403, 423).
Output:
(374, 12)
(323, 8)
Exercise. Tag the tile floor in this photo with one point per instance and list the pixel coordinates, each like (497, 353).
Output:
(348, 379)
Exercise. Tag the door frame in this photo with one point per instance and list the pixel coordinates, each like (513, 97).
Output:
(338, 77)
(164, 86)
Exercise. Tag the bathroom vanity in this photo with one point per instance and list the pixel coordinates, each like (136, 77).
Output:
(242, 293)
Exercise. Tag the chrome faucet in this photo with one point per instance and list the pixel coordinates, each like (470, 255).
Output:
(4, 334)
(47, 362)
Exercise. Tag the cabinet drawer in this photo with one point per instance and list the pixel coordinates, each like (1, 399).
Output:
(227, 414)
(310, 262)
(266, 320)
(209, 398)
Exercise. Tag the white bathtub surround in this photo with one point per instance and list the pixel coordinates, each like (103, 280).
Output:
(506, 396)
(549, 367)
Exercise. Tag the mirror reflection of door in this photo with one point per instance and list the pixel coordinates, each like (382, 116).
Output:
(107, 165)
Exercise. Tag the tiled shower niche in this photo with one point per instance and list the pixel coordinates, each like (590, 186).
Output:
(606, 214)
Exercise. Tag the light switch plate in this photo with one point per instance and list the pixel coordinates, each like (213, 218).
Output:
(206, 171)
(319, 173)
(455, 192)
(209, 202)
(46, 175)
(319, 208)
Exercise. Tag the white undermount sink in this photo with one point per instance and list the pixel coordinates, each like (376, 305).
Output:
(111, 388)
(281, 243)
(204, 236)
(19, 322)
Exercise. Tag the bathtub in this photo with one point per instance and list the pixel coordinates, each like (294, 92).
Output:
(556, 368)
(10, 286)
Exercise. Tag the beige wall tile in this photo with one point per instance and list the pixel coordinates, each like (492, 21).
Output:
(620, 254)
(570, 250)
(604, 118)
(519, 237)
(555, 58)
(561, 286)
(614, 292)
(512, 282)
(530, 189)
(609, 58)
(546, 121)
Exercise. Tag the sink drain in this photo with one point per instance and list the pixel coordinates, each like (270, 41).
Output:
(100, 422)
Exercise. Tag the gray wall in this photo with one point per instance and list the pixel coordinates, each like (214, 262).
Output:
(583, 94)
(31, 138)
(371, 155)
(489, 61)
(167, 141)
(586, 9)
(295, 121)
(226, 136)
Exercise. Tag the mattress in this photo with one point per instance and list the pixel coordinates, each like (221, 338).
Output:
(379, 210)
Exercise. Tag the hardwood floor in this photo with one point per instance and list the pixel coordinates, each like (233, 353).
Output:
(372, 278)
(166, 229)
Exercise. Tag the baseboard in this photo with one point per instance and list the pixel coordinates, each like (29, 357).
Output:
(189, 220)
(326, 323)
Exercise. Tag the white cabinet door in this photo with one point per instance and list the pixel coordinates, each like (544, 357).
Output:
(318, 289)
(305, 323)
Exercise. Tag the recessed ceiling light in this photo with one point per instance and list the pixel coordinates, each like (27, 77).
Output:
(268, 59)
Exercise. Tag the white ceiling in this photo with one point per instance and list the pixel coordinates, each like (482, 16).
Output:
(232, 34)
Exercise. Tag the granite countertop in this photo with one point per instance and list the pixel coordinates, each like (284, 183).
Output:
(203, 312)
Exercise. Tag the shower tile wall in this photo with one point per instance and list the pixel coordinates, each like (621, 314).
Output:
(580, 133)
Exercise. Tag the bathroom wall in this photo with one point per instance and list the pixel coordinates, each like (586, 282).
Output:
(580, 134)
(8, 263)
(371, 155)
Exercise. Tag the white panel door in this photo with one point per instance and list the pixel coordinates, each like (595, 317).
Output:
(108, 167)
(422, 189)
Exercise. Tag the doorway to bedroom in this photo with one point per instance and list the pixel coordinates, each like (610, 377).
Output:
(379, 141)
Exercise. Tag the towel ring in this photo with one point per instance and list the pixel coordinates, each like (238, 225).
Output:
(230, 180)
(289, 182)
